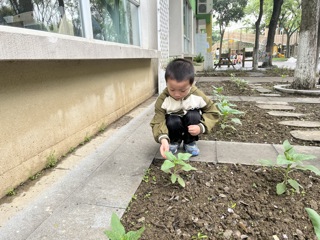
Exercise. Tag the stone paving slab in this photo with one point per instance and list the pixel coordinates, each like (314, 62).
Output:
(306, 135)
(244, 153)
(306, 124)
(270, 95)
(275, 107)
(271, 102)
(77, 221)
(286, 114)
(263, 90)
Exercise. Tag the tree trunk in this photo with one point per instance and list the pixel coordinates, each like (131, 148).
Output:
(272, 31)
(288, 45)
(25, 6)
(256, 41)
(305, 72)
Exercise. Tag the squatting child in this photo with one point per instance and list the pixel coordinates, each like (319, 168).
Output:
(182, 111)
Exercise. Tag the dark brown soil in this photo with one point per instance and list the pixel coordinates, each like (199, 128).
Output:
(226, 201)
(221, 199)
(257, 125)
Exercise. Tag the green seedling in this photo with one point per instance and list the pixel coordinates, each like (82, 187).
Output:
(199, 235)
(227, 112)
(175, 165)
(11, 192)
(35, 176)
(287, 163)
(51, 160)
(146, 175)
(217, 93)
(315, 220)
(240, 82)
(118, 231)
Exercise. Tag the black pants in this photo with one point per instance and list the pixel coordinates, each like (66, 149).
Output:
(178, 126)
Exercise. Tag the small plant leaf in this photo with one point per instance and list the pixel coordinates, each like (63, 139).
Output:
(174, 178)
(315, 219)
(135, 235)
(286, 145)
(167, 164)
(170, 156)
(294, 184)
(302, 157)
(282, 160)
(184, 156)
(236, 121)
(117, 229)
(311, 168)
(266, 162)
(281, 188)
(188, 167)
(181, 181)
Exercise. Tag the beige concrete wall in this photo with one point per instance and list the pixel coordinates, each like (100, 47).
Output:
(51, 106)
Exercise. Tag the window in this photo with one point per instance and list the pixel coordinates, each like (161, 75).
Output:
(111, 20)
(59, 16)
(115, 21)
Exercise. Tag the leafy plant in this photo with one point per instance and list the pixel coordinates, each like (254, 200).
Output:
(226, 112)
(287, 163)
(199, 58)
(217, 92)
(225, 109)
(11, 192)
(240, 82)
(315, 220)
(51, 160)
(118, 232)
(175, 165)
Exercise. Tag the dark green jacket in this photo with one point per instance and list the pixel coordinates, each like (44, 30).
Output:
(196, 99)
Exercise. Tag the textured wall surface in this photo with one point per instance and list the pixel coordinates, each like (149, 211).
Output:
(48, 107)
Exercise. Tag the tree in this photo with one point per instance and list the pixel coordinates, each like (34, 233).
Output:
(305, 72)
(256, 41)
(272, 31)
(227, 11)
(290, 20)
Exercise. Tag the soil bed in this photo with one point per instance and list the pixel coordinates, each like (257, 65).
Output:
(260, 127)
(229, 201)
(231, 89)
(222, 200)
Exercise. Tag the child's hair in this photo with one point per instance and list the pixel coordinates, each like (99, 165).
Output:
(180, 69)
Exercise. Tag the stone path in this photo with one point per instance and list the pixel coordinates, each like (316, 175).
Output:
(306, 124)
(286, 114)
(281, 105)
(306, 135)
(276, 107)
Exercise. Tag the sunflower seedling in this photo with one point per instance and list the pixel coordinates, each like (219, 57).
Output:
(287, 163)
(175, 165)
(118, 232)
(227, 112)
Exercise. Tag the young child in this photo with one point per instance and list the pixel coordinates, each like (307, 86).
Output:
(182, 111)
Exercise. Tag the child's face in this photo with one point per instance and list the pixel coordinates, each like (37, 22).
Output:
(178, 90)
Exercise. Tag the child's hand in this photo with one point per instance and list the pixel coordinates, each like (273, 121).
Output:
(164, 147)
(194, 130)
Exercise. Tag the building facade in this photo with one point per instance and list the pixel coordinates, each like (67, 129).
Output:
(71, 67)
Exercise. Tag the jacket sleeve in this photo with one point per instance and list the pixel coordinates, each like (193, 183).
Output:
(210, 113)
(158, 122)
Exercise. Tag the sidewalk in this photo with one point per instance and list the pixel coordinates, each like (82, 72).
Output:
(79, 205)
